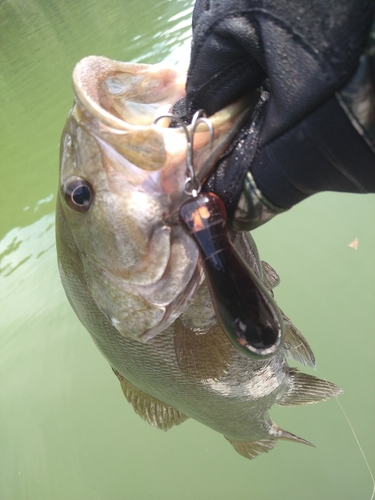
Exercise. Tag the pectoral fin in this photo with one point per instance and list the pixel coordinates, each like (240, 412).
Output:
(288, 436)
(306, 389)
(153, 411)
(202, 356)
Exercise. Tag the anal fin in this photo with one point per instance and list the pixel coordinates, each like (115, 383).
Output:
(251, 449)
(152, 410)
(306, 389)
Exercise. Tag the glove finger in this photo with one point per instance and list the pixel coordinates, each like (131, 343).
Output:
(199, 7)
(230, 171)
(225, 63)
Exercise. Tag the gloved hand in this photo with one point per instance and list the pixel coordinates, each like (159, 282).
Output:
(299, 140)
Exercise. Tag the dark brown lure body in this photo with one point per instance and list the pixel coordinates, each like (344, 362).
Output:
(245, 310)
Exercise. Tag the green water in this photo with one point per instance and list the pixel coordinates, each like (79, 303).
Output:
(66, 432)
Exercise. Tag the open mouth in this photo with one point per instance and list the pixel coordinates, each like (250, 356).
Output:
(121, 101)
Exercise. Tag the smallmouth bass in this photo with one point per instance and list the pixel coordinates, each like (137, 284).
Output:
(133, 275)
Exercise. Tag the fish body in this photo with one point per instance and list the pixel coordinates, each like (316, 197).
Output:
(134, 276)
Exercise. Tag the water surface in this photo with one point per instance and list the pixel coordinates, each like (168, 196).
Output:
(66, 432)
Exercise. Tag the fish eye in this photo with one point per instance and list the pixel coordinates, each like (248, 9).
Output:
(79, 195)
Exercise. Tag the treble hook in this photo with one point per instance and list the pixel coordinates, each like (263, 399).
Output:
(193, 185)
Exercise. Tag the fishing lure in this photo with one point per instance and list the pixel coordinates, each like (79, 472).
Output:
(245, 310)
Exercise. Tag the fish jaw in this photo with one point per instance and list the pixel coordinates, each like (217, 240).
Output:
(119, 103)
(141, 270)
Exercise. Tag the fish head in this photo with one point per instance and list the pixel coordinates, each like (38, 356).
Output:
(121, 184)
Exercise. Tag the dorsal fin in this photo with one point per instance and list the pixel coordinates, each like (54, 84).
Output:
(306, 389)
(153, 411)
(270, 277)
(251, 449)
(295, 345)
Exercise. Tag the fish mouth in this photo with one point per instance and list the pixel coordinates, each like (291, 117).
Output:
(120, 101)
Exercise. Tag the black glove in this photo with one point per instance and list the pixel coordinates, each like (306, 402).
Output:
(301, 52)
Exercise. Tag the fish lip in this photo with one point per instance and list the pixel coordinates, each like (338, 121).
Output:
(92, 71)
(92, 74)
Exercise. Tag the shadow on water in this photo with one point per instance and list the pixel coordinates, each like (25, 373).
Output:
(65, 429)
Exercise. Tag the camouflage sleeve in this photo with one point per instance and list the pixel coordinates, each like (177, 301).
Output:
(358, 97)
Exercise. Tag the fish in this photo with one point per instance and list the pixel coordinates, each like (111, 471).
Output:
(134, 276)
